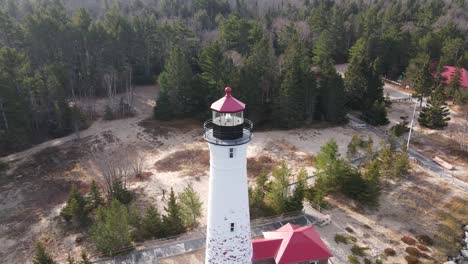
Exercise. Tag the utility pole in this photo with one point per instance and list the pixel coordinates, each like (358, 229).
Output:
(411, 126)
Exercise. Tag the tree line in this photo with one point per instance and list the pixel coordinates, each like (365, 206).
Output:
(278, 56)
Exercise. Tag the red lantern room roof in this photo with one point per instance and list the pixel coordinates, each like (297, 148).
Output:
(228, 104)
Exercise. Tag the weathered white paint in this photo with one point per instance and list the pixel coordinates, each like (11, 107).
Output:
(228, 203)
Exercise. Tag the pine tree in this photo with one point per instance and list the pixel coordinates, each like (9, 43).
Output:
(173, 221)
(94, 197)
(278, 194)
(41, 256)
(151, 224)
(454, 85)
(190, 205)
(296, 99)
(376, 114)
(401, 164)
(111, 230)
(331, 99)
(75, 210)
(363, 85)
(423, 82)
(353, 147)
(163, 108)
(372, 177)
(216, 71)
(175, 81)
(323, 50)
(296, 201)
(435, 114)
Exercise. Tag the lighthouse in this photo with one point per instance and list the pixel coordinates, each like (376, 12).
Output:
(228, 134)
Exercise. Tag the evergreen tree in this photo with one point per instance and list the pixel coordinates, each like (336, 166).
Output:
(454, 85)
(296, 99)
(173, 219)
(376, 114)
(175, 81)
(111, 230)
(75, 209)
(372, 177)
(216, 71)
(190, 205)
(278, 194)
(94, 197)
(353, 147)
(151, 224)
(423, 82)
(163, 108)
(435, 114)
(363, 85)
(331, 99)
(41, 256)
(323, 50)
(296, 201)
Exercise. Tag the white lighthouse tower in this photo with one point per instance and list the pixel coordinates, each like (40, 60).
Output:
(228, 134)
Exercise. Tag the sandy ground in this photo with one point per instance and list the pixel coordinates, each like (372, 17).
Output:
(35, 188)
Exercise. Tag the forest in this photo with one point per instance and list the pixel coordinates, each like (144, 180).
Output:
(277, 55)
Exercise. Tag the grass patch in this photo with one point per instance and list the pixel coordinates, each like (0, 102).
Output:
(353, 259)
(187, 159)
(257, 165)
(448, 237)
(359, 251)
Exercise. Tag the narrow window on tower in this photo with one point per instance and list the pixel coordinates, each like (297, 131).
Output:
(232, 227)
(231, 153)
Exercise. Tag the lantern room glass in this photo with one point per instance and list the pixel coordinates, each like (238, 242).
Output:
(228, 119)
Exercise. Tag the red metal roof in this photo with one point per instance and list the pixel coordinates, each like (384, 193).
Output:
(228, 104)
(450, 70)
(298, 244)
(265, 248)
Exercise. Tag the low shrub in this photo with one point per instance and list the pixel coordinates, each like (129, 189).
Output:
(341, 239)
(108, 113)
(184, 159)
(359, 251)
(409, 240)
(257, 165)
(367, 261)
(413, 251)
(353, 260)
(378, 261)
(390, 252)
(425, 240)
(423, 248)
(412, 259)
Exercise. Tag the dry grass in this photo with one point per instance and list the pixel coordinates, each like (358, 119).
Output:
(192, 160)
(453, 215)
(257, 165)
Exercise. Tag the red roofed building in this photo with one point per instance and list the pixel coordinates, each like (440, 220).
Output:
(290, 244)
(449, 71)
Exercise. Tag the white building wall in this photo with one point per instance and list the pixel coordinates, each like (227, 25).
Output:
(228, 204)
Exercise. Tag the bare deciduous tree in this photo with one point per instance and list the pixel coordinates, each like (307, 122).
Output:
(117, 165)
